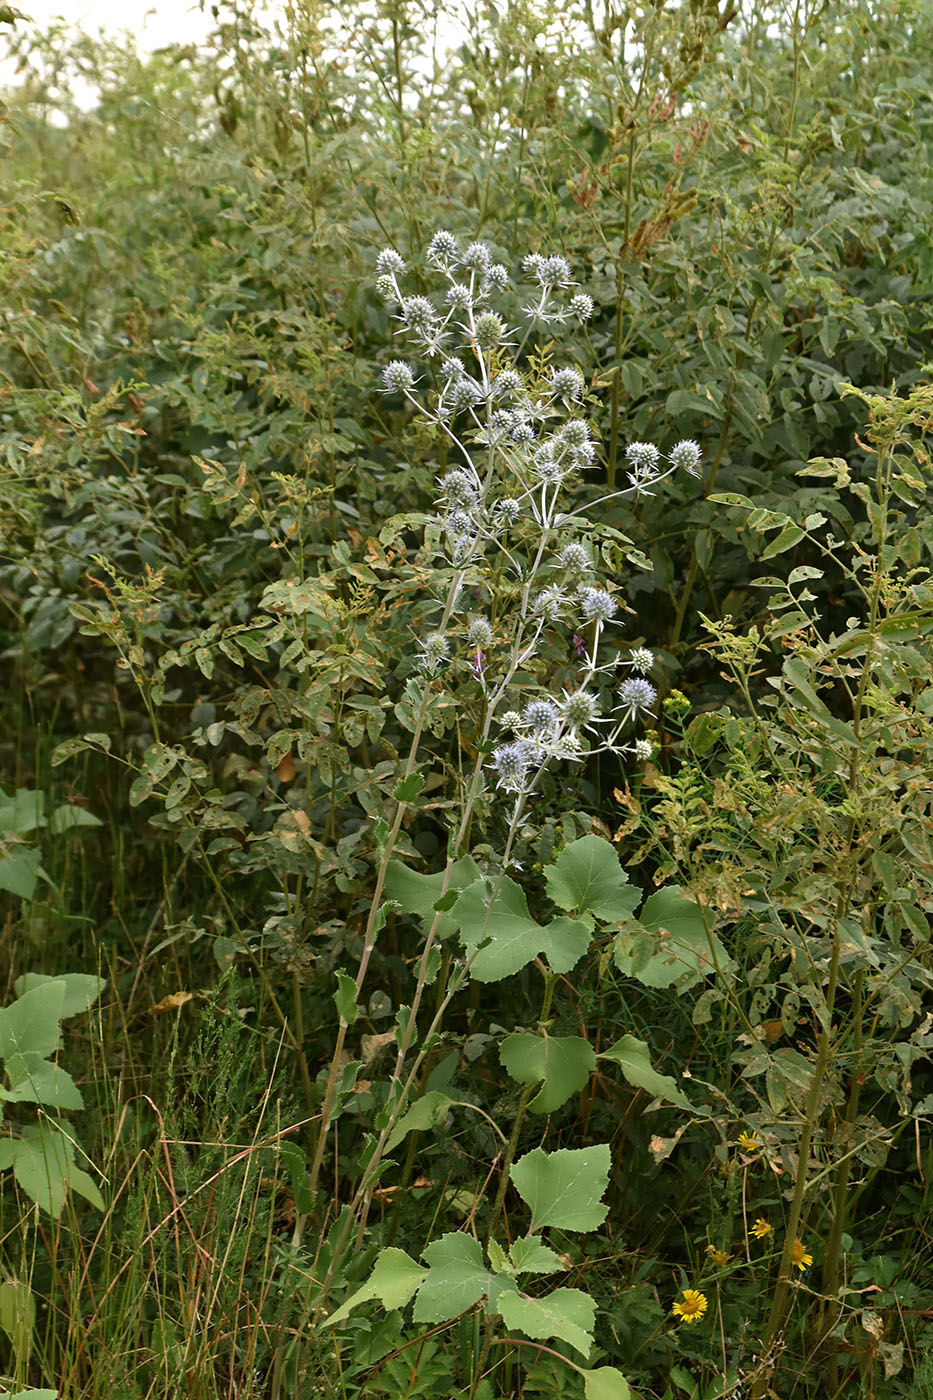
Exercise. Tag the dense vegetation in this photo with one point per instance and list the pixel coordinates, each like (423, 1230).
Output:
(458, 945)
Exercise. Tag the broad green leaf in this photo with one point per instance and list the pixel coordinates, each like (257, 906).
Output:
(564, 1063)
(22, 812)
(69, 815)
(668, 943)
(34, 1079)
(44, 1166)
(508, 937)
(32, 1023)
(563, 1188)
(20, 872)
(565, 943)
(587, 878)
(33, 1395)
(530, 1256)
(605, 1383)
(345, 998)
(394, 1280)
(457, 1278)
(634, 1060)
(427, 1112)
(566, 1313)
(418, 894)
(81, 989)
(788, 537)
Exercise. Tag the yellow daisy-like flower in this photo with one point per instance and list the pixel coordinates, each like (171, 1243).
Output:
(800, 1255)
(749, 1142)
(692, 1308)
(761, 1228)
(717, 1256)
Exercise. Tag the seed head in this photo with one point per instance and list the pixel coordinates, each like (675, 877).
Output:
(580, 708)
(541, 716)
(443, 248)
(459, 489)
(641, 660)
(686, 456)
(554, 272)
(497, 278)
(397, 377)
(551, 603)
(637, 694)
(643, 750)
(390, 261)
(476, 258)
(575, 559)
(508, 510)
(433, 651)
(575, 432)
(581, 306)
(385, 286)
(508, 381)
(643, 456)
(566, 383)
(459, 297)
(479, 633)
(532, 264)
(597, 604)
(418, 313)
(490, 330)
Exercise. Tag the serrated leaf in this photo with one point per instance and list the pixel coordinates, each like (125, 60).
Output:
(587, 878)
(563, 1188)
(457, 1278)
(81, 989)
(498, 1259)
(32, 1023)
(566, 1313)
(409, 788)
(605, 1383)
(634, 1059)
(427, 1112)
(345, 998)
(564, 1063)
(394, 1281)
(530, 1256)
(508, 938)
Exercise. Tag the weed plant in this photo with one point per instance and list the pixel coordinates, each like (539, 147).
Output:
(465, 803)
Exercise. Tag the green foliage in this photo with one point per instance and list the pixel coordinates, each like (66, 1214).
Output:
(41, 1154)
(370, 1026)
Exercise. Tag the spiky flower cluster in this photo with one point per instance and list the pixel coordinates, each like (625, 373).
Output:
(499, 508)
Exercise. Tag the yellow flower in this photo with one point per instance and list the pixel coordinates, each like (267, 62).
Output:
(749, 1142)
(717, 1256)
(761, 1228)
(693, 1306)
(800, 1255)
